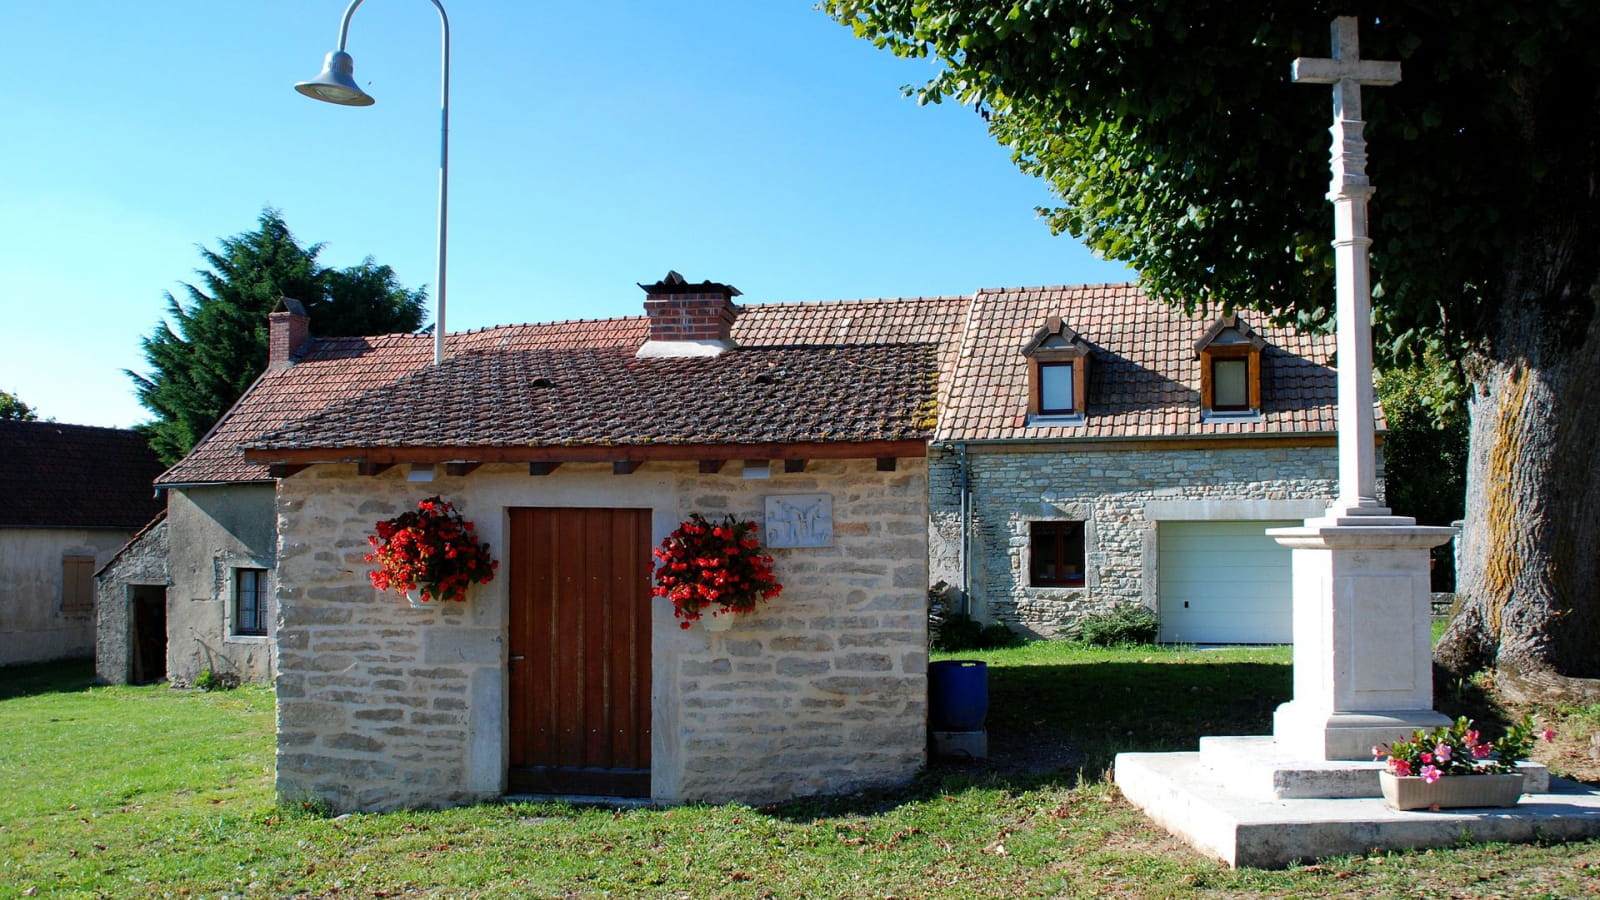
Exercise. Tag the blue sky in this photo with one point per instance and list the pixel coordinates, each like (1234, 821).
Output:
(593, 146)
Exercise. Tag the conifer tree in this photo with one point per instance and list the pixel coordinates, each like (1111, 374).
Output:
(209, 350)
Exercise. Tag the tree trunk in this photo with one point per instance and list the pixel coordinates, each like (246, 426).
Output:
(1529, 579)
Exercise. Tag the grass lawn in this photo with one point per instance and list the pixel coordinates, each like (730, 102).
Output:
(150, 792)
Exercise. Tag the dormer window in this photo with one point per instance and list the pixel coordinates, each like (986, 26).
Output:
(1058, 375)
(1230, 369)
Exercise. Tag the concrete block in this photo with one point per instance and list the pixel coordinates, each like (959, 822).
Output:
(960, 744)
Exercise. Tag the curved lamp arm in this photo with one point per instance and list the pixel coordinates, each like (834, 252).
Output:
(336, 84)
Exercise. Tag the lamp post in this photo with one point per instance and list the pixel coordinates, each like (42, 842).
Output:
(336, 84)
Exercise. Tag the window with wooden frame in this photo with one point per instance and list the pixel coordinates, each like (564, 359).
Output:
(1058, 374)
(77, 585)
(249, 603)
(1055, 554)
(1230, 368)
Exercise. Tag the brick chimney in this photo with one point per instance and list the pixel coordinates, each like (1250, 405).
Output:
(688, 319)
(288, 329)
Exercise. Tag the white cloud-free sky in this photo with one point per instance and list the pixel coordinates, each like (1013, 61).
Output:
(594, 146)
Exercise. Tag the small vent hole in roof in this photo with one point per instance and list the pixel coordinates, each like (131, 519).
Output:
(769, 378)
(541, 381)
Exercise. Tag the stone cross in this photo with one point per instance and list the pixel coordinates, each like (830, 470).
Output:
(1349, 191)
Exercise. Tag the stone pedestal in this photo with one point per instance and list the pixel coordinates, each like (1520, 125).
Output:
(1363, 671)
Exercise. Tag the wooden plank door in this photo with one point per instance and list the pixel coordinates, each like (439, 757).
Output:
(580, 651)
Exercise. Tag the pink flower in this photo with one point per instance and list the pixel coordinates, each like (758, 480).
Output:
(1442, 752)
(1548, 734)
(1430, 774)
(1399, 767)
(1426, 757)
(1377, 752)
(1480, 751)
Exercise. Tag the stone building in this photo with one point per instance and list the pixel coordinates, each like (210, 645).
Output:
(1040, 453)
(131, 610)
(1098, 447)
(74, 494)
(575, 448)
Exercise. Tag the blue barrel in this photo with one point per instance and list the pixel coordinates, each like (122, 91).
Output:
(958, 695)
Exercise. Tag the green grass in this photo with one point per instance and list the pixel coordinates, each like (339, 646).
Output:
(149, 792)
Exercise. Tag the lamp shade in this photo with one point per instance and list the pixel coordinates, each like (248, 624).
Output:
(336, 82)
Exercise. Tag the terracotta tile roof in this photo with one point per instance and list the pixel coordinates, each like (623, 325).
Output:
(75, 476)
(607, 397)
(1144, 378)
(336, 369)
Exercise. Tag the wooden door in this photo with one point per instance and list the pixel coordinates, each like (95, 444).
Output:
(580, 651)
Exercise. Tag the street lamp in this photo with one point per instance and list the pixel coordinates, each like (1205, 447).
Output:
(336, 84)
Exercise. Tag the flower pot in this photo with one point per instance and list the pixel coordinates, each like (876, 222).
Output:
(717, 623)
(1450, 791)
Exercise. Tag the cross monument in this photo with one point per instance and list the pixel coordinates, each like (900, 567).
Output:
(1363, 670)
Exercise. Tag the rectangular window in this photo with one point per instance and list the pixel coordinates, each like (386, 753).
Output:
(77, 585)
(1230, 384)
(1055, 389)
(250, 601)
(1056, 554)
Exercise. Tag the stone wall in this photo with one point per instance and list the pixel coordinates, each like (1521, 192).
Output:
(1120, 495)
(142, 561)
(213, 531)
(821, 690)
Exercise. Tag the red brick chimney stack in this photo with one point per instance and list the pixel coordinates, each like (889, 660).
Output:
(288, 329)
(688, 319)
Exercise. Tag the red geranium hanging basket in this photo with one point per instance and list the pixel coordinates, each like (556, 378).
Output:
(720, 565)
(432, 549)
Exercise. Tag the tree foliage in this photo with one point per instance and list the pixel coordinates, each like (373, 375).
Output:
(1173, 135)
(210, 349)
(12, 408)
(1175, 138)
(1425, 452)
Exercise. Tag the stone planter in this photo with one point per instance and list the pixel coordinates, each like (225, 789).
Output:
(1451, 791)
(717, 623)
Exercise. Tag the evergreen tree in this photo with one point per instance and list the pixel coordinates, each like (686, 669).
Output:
(210, 349)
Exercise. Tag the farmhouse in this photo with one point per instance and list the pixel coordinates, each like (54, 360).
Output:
(1035, 454)
(74, 494)
(1100, 447)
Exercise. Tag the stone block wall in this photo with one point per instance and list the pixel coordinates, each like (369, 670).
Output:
(1114, 492)
(142, 562)
(822, 690)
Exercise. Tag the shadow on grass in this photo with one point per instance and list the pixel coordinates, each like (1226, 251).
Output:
(57, 677)
(1056, 725)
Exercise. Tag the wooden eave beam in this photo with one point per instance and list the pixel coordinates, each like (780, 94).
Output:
(460, 468)
(711, 466)
(284, 470)
(625, 466)
(908, 449)
(794, 465)
(370, 468)
(542, 468)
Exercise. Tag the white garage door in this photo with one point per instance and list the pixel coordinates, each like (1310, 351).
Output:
(1224, 583)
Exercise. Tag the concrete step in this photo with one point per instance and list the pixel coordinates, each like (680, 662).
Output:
(1187, 796)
